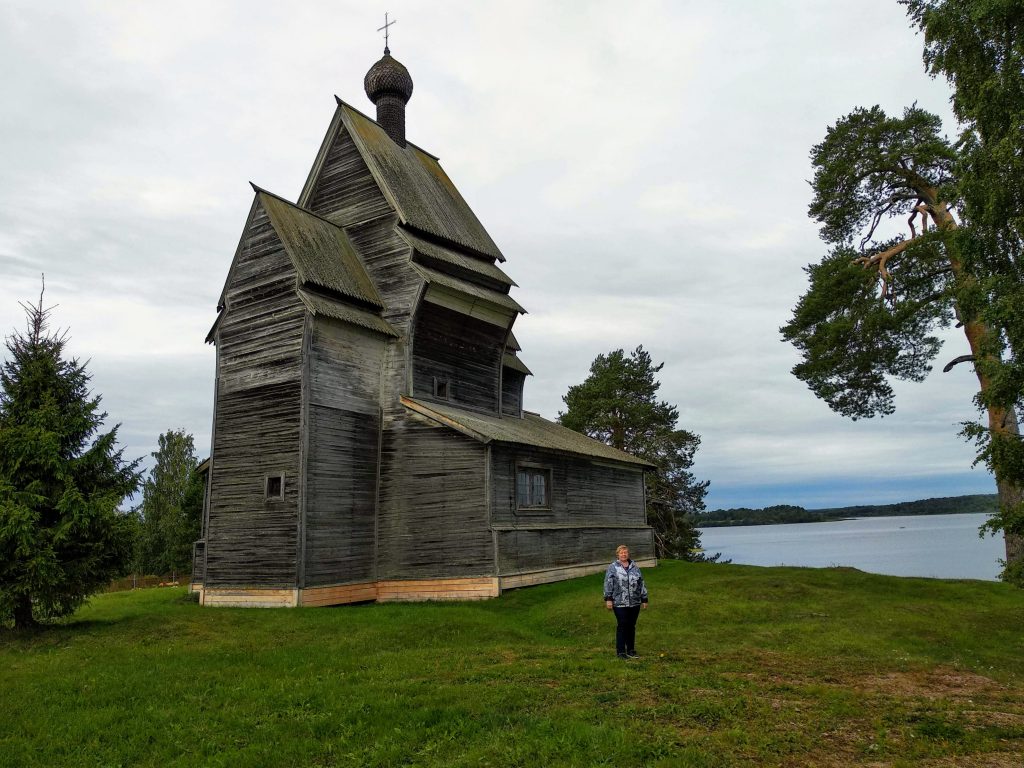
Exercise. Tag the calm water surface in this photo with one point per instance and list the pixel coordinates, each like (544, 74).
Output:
(939, 546)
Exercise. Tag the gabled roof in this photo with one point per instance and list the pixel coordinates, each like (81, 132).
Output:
(324, 306)
(321, 251)
(413, 182)
(532, 429)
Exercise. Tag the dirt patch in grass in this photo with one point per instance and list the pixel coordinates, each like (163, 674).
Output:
(989, 760)
(949, 684)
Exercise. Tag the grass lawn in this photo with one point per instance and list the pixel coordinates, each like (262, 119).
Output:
(741, 666)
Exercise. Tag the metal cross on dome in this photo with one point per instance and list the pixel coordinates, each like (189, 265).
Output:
(384, 29)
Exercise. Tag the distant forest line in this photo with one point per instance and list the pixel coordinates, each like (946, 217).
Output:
(787, 513)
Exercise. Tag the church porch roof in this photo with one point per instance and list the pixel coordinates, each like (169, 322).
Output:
(533, 430)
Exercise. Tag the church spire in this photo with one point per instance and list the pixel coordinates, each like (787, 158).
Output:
(389, 86)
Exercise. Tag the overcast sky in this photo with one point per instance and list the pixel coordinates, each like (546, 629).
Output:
(643, 167)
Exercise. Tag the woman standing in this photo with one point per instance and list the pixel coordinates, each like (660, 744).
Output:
(625, 593)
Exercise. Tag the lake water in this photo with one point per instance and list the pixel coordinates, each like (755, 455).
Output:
(938, 546)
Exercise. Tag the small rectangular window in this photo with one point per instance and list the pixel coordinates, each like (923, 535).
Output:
(533, 488)
(274, 488)
(441, 388)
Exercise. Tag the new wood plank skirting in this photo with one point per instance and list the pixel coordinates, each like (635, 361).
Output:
(548, 575)
(405, 590)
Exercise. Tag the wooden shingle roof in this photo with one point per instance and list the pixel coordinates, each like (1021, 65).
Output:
(484, 267)
(532, 429)
(412, 181)
(321, 251)
(324, 306)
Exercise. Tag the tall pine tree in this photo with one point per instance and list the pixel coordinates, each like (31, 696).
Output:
(978, 46)
(617, 404)
(62, 536)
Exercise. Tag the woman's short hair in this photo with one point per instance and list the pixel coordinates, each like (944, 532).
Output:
(620, 548)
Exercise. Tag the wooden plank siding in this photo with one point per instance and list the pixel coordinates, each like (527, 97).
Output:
(582, 491)
(512, 392)
(527, 549)
(594, 506)
(432, 507)
(252, 540)
(259, 337)
(345, 191)
(461, 350)
(341, 470)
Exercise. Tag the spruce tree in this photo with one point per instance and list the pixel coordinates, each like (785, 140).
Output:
(62, 536)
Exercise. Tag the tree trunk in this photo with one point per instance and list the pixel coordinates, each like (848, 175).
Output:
(23, 618)
(1002, 421)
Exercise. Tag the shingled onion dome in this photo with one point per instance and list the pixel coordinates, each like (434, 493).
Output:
(389, 86)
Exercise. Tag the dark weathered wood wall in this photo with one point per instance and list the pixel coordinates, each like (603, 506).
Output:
(464, 351)
(433, 504)
(345, 191)
(252, 541)
(512, 392)
(344, 421)
(347, 194)
(539, 548)
(594, 507)
(581, 490)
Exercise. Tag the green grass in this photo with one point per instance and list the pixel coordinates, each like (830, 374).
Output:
(741, 666)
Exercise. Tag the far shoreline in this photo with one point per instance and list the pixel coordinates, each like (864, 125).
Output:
(785, 514)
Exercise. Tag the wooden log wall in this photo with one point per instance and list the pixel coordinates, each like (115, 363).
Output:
(433, 505)
(512, 392)
(464, 351)
(347, 194)
(524, 550)
(251, 540)
(345, 191)
(594, 507)
(344, 423)
(582, 491)
(198, 562)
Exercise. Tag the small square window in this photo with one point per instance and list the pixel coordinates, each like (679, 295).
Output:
(274, 487)
(441, 388)
(533, 488)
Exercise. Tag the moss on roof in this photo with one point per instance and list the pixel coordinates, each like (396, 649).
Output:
(414, 182)
(320, 250)
(532, 429)
(486, 268)
(322, 306)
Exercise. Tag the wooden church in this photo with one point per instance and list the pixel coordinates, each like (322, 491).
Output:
(369, 437)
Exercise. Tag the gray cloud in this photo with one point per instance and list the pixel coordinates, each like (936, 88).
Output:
(643, 169)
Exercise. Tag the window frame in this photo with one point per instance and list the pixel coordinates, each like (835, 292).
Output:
(442, 388)
(532, 471)
(266, 487)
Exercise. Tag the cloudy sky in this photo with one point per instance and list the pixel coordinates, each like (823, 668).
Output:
(643, 166)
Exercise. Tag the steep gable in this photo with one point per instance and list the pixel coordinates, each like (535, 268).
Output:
(320, 251)
(412, 181)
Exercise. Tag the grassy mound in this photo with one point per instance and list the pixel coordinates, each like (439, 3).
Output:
(741, 666)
